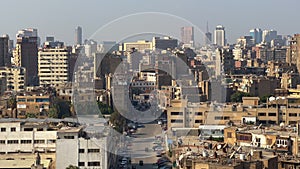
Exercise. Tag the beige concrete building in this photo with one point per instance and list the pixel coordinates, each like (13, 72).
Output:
(280, 139)
(25, 55)
(15, 78)
(38, 105)
(293, 52)
(183, 114)
(53, 65)
(139, 45)
(256, 85)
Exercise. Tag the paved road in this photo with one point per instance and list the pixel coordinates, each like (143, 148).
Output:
(144, 138)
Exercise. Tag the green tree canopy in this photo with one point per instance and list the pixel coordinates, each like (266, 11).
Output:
(72, 167)
(237, 96)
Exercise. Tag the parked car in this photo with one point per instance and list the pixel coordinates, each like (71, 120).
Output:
(141, 162)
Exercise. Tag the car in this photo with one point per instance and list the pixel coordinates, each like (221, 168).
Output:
(158, 154)
(141, 162)
(158, 148)
(162, 160)
(165, 167)
(140, 125)
(124, 162)
(157, 142)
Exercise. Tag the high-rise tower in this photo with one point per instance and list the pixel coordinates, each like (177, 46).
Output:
(78, 35)
(220, 36)
(187, 35)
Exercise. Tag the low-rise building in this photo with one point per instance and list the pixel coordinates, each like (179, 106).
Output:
(36, 104)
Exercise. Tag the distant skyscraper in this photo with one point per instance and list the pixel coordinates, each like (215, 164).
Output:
(26, 54)
(256, 35)
(4, 51)
(208, 36)
(269, 35)
(78, 35)
(187, 35)
(220, 36)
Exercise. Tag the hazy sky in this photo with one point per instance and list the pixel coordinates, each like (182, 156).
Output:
(60, 17)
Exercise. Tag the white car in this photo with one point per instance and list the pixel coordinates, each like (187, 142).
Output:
(123, 162)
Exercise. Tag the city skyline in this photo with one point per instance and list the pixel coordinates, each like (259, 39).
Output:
(92, 16)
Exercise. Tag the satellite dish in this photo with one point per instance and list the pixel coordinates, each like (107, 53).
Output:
(272, 98)
(281, 124)
(219, 146)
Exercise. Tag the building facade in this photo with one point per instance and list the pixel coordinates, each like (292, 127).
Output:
(220, 36)
(53, 66)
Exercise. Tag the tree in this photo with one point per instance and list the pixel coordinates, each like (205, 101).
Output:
(237, 96)
(62, 107)
(72, 167)
(31, 115)
(264, 99)
(12, 102)
(52, 112)
(117, 120)
(104, 108)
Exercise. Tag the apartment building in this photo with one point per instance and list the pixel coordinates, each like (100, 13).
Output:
(281, 139)
(53, 65)
(61, 142)
(85, 152)
(15, 78)
(37, 104)
(183, 114)
(19, 136)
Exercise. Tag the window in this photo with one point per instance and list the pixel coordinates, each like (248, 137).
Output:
(13, 142)
(176, 121)
(13, 129)
(198, 121)
(51, 141)
(2, 141)
(262, 114)
(30, 100)
(281, 142)
(69, 137)
(94, 163)
(26, 141)
(244, 137)
(176, 113)
(39, 141)
(198, 113)
(272, 114)
(226, 117)
(293, 115)
(28, 129)
(3, 129)
(229, 135)
(80, 164)
(93, 150)
(218, 118)
(81, 150)
(39, 129)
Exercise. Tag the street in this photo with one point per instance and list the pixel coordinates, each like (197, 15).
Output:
(142, 139)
